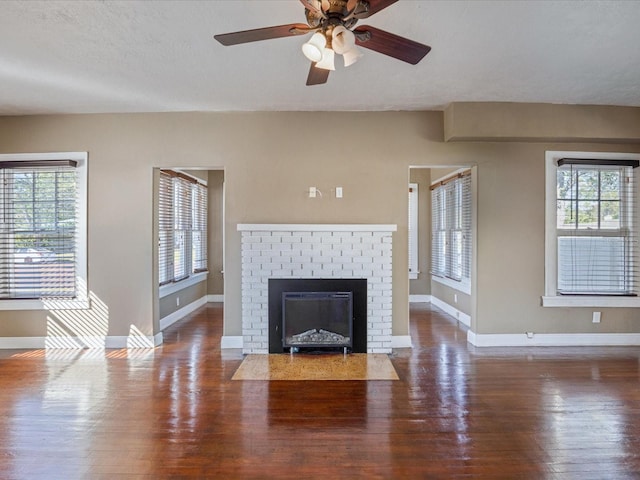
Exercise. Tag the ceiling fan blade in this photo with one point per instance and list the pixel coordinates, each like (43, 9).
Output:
(390, 44)
(317, 76)
(266, 33)
(374, 7)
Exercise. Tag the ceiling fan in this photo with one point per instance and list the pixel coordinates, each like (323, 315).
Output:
(332, 23)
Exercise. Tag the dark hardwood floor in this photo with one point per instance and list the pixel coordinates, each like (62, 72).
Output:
(456, 412)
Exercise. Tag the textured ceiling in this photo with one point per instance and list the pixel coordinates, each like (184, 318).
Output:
(154, 56)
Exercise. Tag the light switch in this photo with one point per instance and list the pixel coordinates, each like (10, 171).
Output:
(338, 192)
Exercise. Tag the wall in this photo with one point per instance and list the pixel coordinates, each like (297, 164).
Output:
(422, 285)
(269, 166)
(177, 300)
(448, 295)
(215, 280)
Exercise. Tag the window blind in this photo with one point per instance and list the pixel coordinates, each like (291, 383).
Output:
(451, 227)
(38, 229)
(199, 228)
(182, 225)
(165, 226)
(596, 228)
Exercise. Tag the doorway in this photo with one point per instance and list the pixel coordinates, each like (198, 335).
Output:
(188, 241)
(442, 239)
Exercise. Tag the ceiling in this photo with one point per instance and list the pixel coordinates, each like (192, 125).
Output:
(158, 56)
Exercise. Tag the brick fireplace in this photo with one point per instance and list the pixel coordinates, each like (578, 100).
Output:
(322, 251)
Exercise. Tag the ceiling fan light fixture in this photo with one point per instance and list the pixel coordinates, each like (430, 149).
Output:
(342, 39)
(328, 60)
(314, 48)
(351, 56)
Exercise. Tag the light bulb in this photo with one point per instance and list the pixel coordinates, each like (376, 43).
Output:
(327, 61)
(313, 49)
(351, 56)
(343, 40)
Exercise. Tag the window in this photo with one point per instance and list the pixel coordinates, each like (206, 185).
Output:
(591, 226)
(413, 231)
(182, 227)
(42, 229)
(451, 230)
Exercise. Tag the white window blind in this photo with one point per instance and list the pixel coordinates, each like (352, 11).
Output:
(451, 228)
(182, 220)
(413, 231)
(595, 228)
(199, 228)
(39, 229)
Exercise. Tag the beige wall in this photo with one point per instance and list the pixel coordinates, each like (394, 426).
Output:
(269, 163)
(449, 295)
(215, 280)
(422, 285)
(177, 300)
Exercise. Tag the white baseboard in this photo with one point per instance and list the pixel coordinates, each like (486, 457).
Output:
(419, 298)
(401, 341)
(553, 339)
(231, 341)
(181, 313)
(215, 298)
(454, 312)
(79, 343)
(29, 343)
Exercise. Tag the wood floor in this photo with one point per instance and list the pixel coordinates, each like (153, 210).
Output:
(455, 413)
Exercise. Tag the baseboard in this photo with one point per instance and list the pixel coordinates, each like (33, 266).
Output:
(231, 341)
(27, 343)
(419, 298)
(182, 312)
(454, 312)
(552, 339)
(215, 298)
(401, 341)
(80, 343)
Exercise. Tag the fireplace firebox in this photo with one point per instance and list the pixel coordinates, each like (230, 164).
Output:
(317, 320)
(355, 287)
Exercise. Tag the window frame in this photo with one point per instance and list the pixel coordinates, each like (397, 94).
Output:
(451, 223)
(81, 300)
(193, 275)
(551, 298)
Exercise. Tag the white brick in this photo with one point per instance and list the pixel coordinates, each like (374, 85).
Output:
(315, 255)
(260, 246)
(282, 273)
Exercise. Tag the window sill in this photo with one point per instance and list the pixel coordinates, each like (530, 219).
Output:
(587, 301)
(52, 304)
(170, 288)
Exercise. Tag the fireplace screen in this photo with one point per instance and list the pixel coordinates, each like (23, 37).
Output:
(317, 319)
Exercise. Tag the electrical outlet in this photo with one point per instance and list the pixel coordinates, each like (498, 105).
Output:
(596, 317)
(455, 298)
(312, 192)
(178, 301)
(338, 192)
